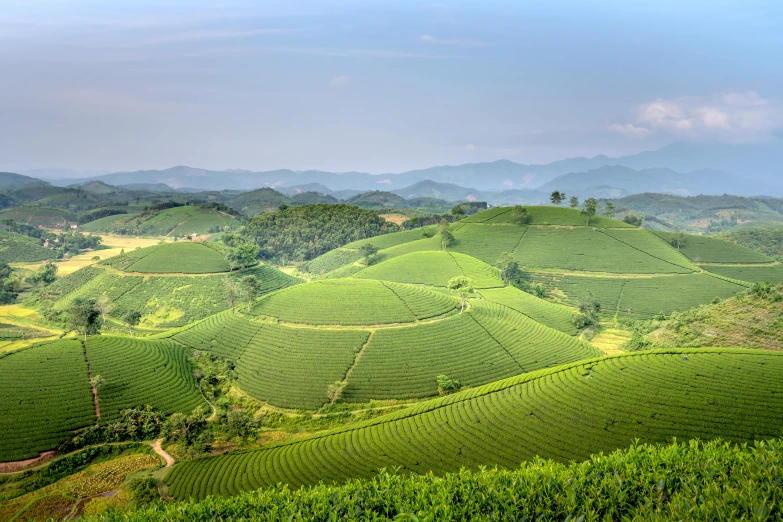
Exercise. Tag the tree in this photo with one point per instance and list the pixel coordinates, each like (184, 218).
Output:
(446, 237)
(238, 424)
(678, 239)
(231, 292)
(590, 207)
(557, 197)
(249, 287)
(463, 286)
(368, 250)
(509, 267)
(84, 317)
(190, 430)
(458, 211)
(335, 391)
(633, 220)
(46, 275)
(447, 386)
(520, 215)
(609, 208)
(96, 258)
(573, 202)
(97, 382)
(104, 306)
(589, 311)
(132, 318)
(243, 256)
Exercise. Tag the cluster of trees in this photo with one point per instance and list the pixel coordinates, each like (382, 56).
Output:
(589, 312)
(245, 290)
(512, 274)
(304, 232)
(10, 285)
(100, 213)
(63, 243)
(446, 235)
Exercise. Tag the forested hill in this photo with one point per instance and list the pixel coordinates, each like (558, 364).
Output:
(302, 233)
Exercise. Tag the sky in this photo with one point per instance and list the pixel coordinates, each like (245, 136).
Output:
(378, 86)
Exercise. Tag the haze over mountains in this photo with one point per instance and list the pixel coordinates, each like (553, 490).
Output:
(680, 168)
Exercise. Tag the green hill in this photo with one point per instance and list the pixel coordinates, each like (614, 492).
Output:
(18, 248)
(176, 221)
(704, 249)
(39, 216)
(381, 340)
(165, 301)
(48, 385)
(752, 319)
(565, 413)
(182, 257)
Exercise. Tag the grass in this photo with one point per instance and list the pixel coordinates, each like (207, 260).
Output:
(566, 413)
(46, 395)
(181, 257)
(434, 269)
(703, 249)
(112, 245)
(139, 373)
(353, 302)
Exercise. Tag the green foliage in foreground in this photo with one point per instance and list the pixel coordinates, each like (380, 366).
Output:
(682, 481)
(564, 413)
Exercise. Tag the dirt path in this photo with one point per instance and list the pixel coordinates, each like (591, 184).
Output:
(157, 446)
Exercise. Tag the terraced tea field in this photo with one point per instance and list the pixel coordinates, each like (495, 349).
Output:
(544, 216)
(39, 216)
(165, 301)
(45, 396)
(550, 314)
(16, 248)
(353, 302)
(564, 413)
(754, 274)
(138, 373)
(178, 221)
(182, 257)
(703, 249)
(487, 342)
(434, 269)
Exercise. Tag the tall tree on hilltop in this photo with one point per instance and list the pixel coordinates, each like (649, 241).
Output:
(590, 207)
(609, 208)
(463, 286)
(573, 202)
(557, 197)
(84, 317)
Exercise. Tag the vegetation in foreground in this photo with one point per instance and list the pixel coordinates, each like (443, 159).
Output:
(681, 481)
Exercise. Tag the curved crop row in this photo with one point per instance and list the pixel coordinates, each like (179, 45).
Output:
(565, 414)
(753, 274)
(180, 258)
(138, 372)
(702, 249)
(45, 396)
(550, 314)
(353, 302)
(488, 343)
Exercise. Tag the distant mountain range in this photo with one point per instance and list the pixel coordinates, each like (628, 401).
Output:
(682, 168)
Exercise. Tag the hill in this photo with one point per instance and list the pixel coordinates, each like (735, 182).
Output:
(304, 232)
(751, 319)
(11, 180)
(156, 282)
(565, 413)
(379, 340)
(18, 248)
(258, 201)
(632, 181)
(767, 242)
(444, 191)
(177, 221)
(183, 258)
(48, 385)
(39, 216)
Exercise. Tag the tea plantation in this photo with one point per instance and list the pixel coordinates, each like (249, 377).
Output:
(565, 413)
(434, 269)
(17, 248)
(183, 257)
(165, 301)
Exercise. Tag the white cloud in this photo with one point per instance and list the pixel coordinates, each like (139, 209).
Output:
(458, 42)
(730, 117)
(340, 82)
(470, 147)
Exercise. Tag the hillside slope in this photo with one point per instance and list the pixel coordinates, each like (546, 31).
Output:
(564, 413)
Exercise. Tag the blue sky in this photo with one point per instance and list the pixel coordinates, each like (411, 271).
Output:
(378, 86)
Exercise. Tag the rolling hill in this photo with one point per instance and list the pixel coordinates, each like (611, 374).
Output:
(380, 340)
(564, 413)
(177, 221)
(170, 285)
